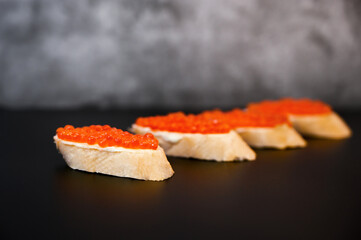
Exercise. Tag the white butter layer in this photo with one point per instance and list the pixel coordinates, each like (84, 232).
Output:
(97, 147)
(172, 137)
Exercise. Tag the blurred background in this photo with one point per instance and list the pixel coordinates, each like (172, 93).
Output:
(178, 53)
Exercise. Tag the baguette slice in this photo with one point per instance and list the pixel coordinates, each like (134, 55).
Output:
(259, 130)
(279, 137)
(309, 117)
(223, 147)
(330, 126)
(145, 164)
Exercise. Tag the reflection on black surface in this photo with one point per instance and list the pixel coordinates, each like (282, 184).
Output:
(87, 202)
(325, 145)
(315, 148)
(200, 172)
(102, 191)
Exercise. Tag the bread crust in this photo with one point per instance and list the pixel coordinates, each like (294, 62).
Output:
(217, 147)
(329, 126)
(144, 164)
(279, 137)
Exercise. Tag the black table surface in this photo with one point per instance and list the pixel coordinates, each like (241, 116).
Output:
(310, 193)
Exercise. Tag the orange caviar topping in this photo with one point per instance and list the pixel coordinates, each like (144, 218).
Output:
(179, 122)
(238, 118)
(106, 136)
(290, 106)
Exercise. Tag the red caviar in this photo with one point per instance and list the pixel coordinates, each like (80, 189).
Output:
(238, 118)
(180, 122)
(291, 106)
(106, 136)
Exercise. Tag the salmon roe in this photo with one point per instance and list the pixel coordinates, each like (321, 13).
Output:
(291, 106)
(238, 118)
(180, 122)
(106, 136)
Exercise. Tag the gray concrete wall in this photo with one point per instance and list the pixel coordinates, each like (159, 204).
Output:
(178, 53)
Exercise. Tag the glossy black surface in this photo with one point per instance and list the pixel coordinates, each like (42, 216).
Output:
(311, 193)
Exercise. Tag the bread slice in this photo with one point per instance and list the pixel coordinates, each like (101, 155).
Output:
(259, 130)
(221, 147)
(330, 126)
(145, 164)
(279, 137)
(309, 117)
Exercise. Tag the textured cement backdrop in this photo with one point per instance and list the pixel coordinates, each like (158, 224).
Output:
(178, 53)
